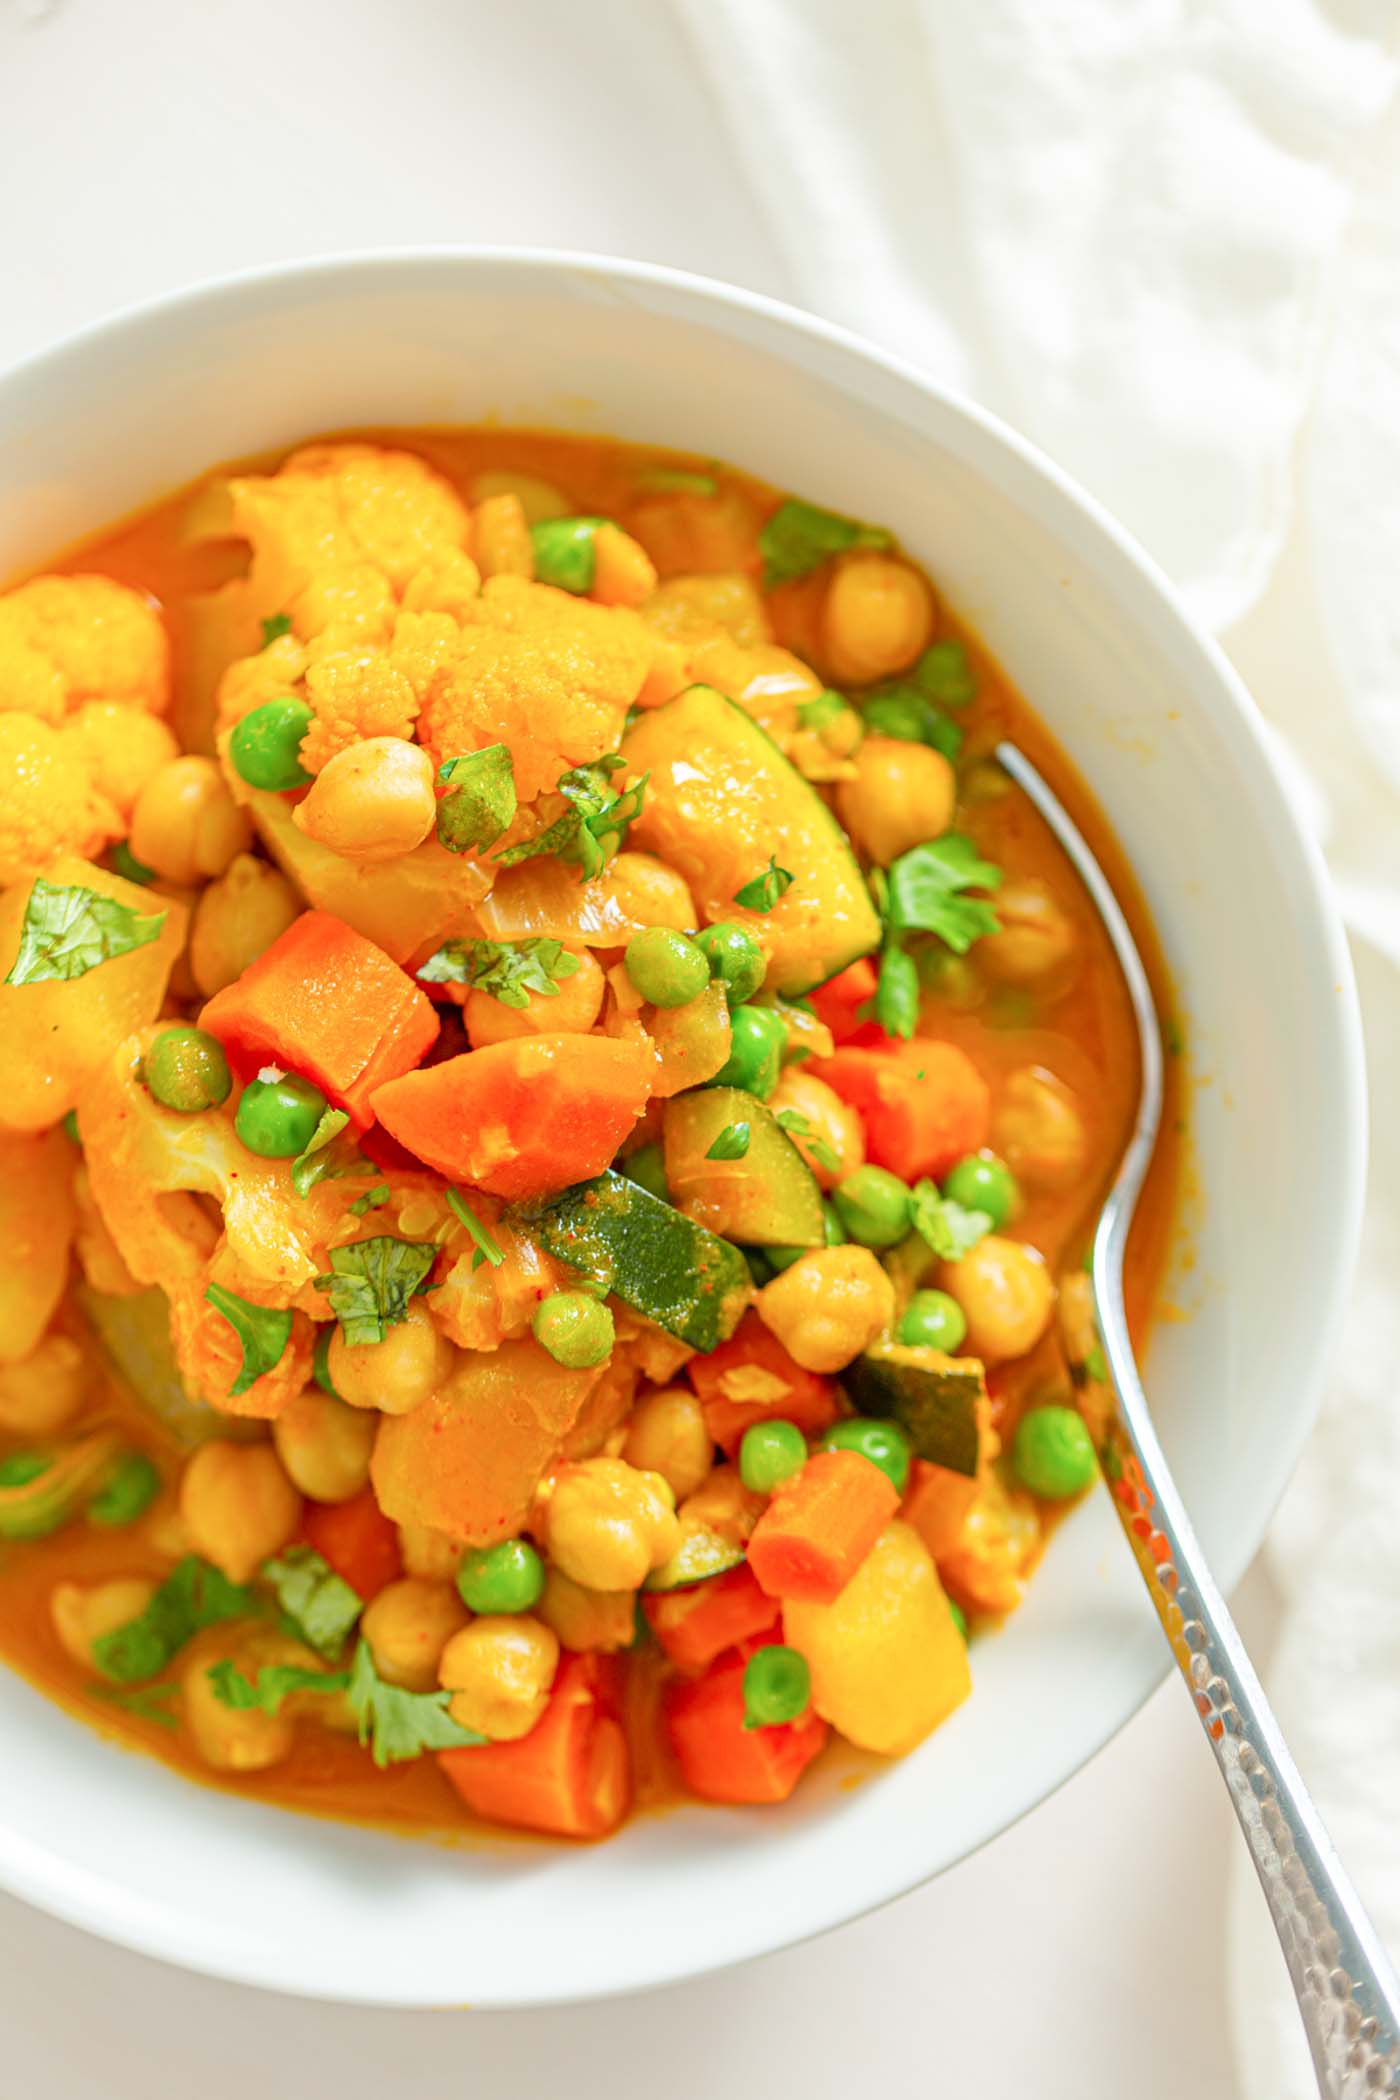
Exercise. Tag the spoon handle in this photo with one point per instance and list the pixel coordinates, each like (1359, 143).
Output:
(1347, 1991)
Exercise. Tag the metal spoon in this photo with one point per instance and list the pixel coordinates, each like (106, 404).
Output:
(1347, 1991)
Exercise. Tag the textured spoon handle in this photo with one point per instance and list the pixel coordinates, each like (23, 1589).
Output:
(1347, 1992)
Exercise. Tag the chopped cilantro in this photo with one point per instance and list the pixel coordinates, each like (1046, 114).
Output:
(193, 1595)
(798, 1125)
(897, 992)
(146, 1702)
(948, 1228)
(732, 1142)
(371, 1282)
(904, 712)
(274, 628)
(764, 891)
(275, 1682)
(944, 673)
(371, 1199)
(487, 1249)
(509, 970)
(822, 708)
(799, 537)
(320, 1604)
(481, 804)
(263, 1333)
(69, 929)
(925, 889)
(596, 814)
(399, 1725)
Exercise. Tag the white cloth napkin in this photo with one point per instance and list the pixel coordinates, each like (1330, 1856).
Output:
(1124, 225)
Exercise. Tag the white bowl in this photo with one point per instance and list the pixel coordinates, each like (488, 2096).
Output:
(1171, 745)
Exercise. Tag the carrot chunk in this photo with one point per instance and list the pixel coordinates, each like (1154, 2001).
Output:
(328, 1004)
(357, 1540)
(820, 1525)
(525, 1117)
(924, 1104)
(751, 1378)
(570, 1776)
(720, 1759)
(938, 1502)
(695, 1625)
(838, 999)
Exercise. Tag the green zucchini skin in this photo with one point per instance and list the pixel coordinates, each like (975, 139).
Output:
(936, 1399)
(768, 1198)
(701, 1556)
(663, 1265)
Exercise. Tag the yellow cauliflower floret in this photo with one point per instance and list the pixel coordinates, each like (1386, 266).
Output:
(209, 1356)
(357, 693)
(66, 639)
(549, 674)
(48, 803)
(337, 506)
(353, 601)
(119, 746)
(446, 584)
(271, 674)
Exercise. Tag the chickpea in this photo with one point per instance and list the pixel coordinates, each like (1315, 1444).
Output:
(239, 1505)
(833, 1122)
(650, 893)
(877, 618)
(723, 1504)
(902, 795)
(1037, 937)
(609, 1525)
(324, 1445)
(666, 1434)
(539, 500)
(1007, 1293)
(407, 1626)
(622, 571)
(186, 825)
(1038, 1130)
(572, 1011)
(587, 1621)
(122, 746)
(397, 1374)
(828, 1306)
(236, 918)
(431, 1554)
(45, 1389)
(372, 801)
(499, 1671)
(83, 1612)
(501, 537)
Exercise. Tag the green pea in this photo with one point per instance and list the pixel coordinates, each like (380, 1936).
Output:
(777, 1687)
(770, 1453)
(264, 747)
(933, 1320)
(735, 958)
(277, 1116)
(958, 1616)
(873, 1205)
(565, 553)
(835, 1236)
(756, 1044)
(883, 1443)
(185, 1069)
(983, 1182)
(508, 1577)
(321, 1359)
(666, 967)
(576, 1330)
(1052, 1453)
(125, 864)
(647, 1167)
(129, 1493)
(945, 673)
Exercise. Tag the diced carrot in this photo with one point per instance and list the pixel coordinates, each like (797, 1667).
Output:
(524, 1117)
(936, 1503)
(820, 1525)
(837, 1000)
(924, 1104)
(719, 1758)
(329, 1005)
(751, 1378)
(570, 1776)
(357, 1540)
(695, 1625)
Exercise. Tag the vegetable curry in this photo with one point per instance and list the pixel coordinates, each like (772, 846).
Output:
(553, 1102)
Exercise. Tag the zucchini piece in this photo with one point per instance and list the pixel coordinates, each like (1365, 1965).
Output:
(939, 1401)
(721, 800)
(768, 1197)
(700, 1555)
(664, 1266)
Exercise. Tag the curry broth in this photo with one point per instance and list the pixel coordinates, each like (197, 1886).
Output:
(1089, 1042)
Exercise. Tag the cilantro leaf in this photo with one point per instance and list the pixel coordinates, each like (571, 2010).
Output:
(798, 1125)
(799, 537)
(371, 1199)
(596, 814)
(509, 970)
(399, 1725)
(371, 1282)
(482, 802)
(273, 629)
(903, 711)
(315, 1162)
(487, 1249)
(147, 1702)
(70, 929)
(945, 673)
(193, 1595)
(263, 1333)
(321, 1604)
(897, 992)
(825, 706)
(277, 1681)
(948, 1228)
(765, 890)
(732, 1142)
(924, 893)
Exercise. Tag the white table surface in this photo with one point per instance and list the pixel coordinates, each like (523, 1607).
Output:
(145, 143)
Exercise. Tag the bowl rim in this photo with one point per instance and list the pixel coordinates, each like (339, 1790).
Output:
(97, 1905)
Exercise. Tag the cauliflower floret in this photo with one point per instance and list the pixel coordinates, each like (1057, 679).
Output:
(351, 601)
(341, 506)
(357, 693)
(48, 804)
(209, 1354)
(119, 746)
(446, 584)
(66, 639)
